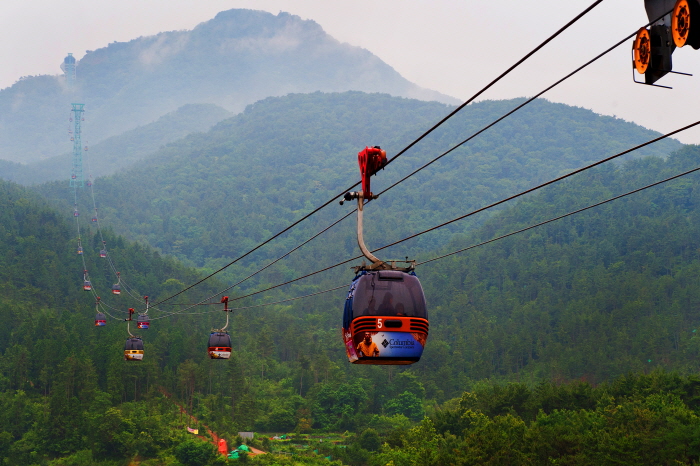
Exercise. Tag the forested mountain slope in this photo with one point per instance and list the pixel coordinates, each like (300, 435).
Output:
(213, 196)
(589, 297)
(118, 152)
(235, 59)
(597, 295)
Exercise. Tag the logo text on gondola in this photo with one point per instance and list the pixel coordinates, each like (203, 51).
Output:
(393, 342)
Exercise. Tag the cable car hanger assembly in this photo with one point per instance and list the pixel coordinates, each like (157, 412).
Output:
(671, 25)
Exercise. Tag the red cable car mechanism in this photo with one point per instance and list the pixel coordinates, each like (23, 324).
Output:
(385, 319)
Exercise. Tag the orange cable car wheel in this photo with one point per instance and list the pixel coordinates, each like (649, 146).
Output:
(680, 23)
(642, 51)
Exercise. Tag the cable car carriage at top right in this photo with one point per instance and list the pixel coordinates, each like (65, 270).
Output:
(385, 320)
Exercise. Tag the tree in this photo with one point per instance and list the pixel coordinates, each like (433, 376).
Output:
(194, 453)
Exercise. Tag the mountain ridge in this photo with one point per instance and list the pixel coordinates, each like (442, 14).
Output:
(126, 84)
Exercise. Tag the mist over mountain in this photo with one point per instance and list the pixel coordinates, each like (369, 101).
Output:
(235, 59)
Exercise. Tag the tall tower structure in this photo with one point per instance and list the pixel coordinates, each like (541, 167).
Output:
(68, 67)
(76, 179)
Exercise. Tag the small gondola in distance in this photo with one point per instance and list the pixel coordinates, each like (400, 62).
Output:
(143, 322)
(100, 319)
(219, 345)
(133, 349)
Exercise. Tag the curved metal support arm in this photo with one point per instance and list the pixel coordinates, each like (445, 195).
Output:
(360, 236)
(128, 330)
(224, 328)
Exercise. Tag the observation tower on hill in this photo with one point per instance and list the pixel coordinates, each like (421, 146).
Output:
(68, 67)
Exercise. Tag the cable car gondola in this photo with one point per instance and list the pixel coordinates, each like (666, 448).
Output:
(100, 318)
(94, 219)
(385, 320)
(87, 286)
(143, 321)
(103, 253)
(116, 288)
(219, 345)
(133, 349)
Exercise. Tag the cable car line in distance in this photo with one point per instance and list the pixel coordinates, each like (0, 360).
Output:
(401, 152)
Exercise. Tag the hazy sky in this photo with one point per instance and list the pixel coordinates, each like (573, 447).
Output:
(451, 46)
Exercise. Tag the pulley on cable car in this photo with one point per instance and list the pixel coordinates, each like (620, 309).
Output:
(385, 319)
(100, 318)
(676, 23)
(87, 286)
(133, 348)
(116, 288)
(219, 345)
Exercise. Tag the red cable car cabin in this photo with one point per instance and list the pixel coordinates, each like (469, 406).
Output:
(100, 320)
(385, 319)
(143, 322)
(219, 345)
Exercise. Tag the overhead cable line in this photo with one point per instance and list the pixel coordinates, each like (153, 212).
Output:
(483, 243)
(422, 136)
(489, 85)
(574, 212)
(260, 270)
(528, 101)
(490, 206)
(253, 306)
